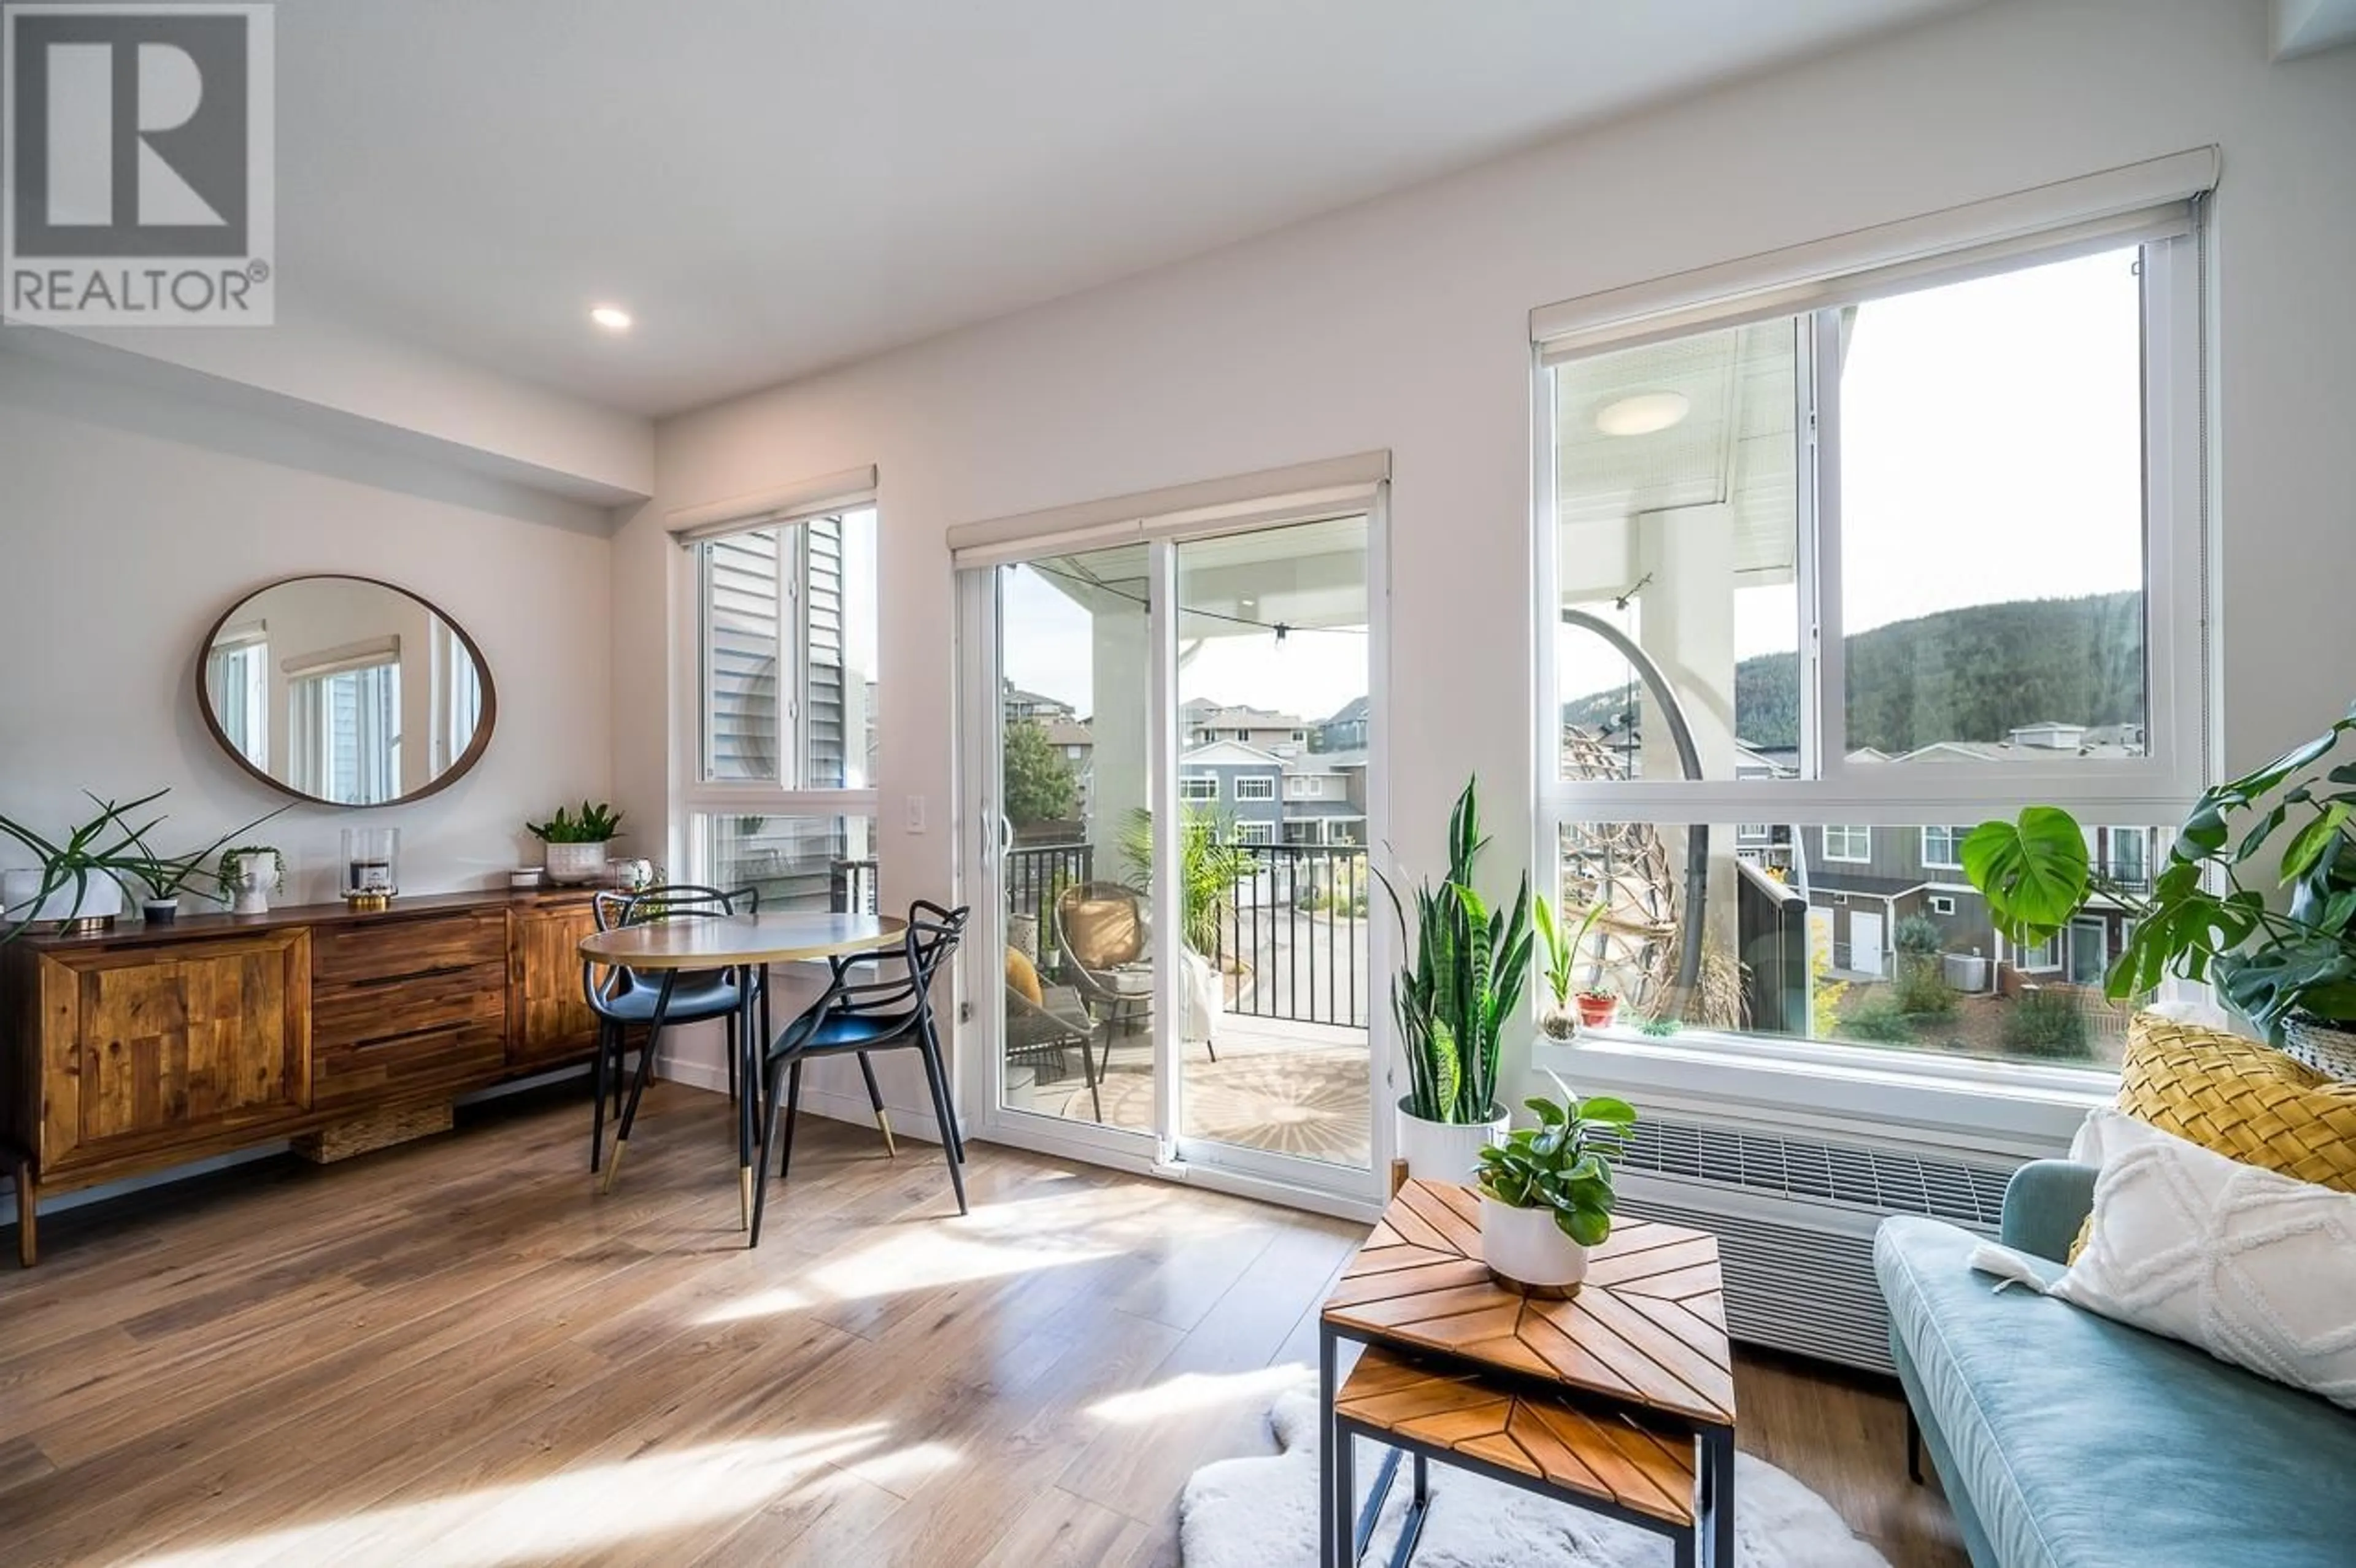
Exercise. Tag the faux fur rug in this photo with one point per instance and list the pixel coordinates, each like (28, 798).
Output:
(1262, 1514)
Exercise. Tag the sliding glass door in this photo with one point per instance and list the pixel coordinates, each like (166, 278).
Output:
(1172, 753)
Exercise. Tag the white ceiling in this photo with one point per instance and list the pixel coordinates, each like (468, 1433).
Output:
(776, 186)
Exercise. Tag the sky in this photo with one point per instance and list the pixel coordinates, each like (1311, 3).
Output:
(1991, 450)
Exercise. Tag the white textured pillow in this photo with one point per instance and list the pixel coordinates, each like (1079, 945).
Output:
(2256, 1268)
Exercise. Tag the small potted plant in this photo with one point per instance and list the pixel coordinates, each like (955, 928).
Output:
(1467, 965)
(80, 882)
(1545, 1191)
(576, 845)
(1597, 1007)
(250, 874)
(1559, 948)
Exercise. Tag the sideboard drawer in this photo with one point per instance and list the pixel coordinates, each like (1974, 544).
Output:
(356, 1011)
(377, 1071)
(394, 948)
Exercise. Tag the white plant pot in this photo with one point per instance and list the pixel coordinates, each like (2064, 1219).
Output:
(250, 894)
(1527, 1247)
(576, 863)
(1446, 1151)
(101, 900)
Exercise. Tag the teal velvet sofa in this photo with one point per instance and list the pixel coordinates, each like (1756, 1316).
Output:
(2065, 1440)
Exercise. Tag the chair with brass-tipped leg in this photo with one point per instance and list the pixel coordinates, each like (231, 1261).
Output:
(858, 1019)
(624, 999)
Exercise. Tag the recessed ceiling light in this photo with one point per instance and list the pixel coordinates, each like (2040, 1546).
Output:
(1642, 414)
(613, 318)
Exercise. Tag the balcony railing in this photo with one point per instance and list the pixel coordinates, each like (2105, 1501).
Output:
(1296, 935)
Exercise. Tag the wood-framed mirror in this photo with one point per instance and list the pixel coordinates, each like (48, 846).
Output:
(346, 690)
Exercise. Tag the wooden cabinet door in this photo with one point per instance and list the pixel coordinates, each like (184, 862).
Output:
(551, 1021)
(157, 1048)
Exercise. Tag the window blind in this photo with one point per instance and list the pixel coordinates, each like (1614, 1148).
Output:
(823, 495)
(2157, 199)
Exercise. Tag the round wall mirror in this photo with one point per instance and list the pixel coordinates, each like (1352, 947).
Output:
(346, 691)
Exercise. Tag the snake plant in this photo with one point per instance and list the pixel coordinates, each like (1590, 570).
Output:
(1468, 964)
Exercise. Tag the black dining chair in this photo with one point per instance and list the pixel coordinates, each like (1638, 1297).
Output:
(625, 997)
(856, 1020)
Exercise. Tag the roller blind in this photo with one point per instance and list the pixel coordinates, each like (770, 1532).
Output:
(821, 496)
(1302, 493)
(2157, 199)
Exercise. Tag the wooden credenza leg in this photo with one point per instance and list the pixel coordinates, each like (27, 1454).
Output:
(28, 1200)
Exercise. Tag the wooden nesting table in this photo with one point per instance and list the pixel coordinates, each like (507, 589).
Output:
(1619, 1399)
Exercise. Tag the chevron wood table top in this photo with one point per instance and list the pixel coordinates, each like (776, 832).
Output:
(1647, 1329)
(1601, 1454)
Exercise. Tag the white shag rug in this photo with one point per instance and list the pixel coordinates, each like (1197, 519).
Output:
(1262, 1512)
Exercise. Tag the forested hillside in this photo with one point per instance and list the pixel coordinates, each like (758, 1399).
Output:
(1960, 674)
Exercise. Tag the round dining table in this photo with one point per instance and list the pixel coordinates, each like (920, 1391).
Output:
(663, 950)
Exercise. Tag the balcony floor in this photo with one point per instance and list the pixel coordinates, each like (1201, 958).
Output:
(1286, 1088)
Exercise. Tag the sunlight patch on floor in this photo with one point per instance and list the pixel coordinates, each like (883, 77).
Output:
(571, 1512)
(922, 1262)
(1196, 1391)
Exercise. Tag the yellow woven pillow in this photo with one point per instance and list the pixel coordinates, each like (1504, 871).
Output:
(2243, 1099)
(1022, 976)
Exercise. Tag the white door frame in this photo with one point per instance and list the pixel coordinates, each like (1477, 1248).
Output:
(978, 1068)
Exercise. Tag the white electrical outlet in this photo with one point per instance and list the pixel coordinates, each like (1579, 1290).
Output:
(915, 814)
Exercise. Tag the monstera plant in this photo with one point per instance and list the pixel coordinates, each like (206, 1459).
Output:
(2277, 961)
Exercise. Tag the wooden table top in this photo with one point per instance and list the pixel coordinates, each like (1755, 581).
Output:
(781, 936)
(1646, 1329)
(1598, 1454)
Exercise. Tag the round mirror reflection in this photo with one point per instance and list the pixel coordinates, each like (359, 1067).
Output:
(344, 691)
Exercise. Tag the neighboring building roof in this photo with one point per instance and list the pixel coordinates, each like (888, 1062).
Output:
(1203, 713)
(1068, 733)
(1229, 754)
(1016, 697)
(1326, 761)
(1352, 712)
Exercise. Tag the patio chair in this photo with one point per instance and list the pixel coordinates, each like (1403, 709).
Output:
(1044, 1023)
(1106, 940)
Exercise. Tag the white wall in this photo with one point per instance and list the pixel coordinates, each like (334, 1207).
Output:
(130, 519)
(1401, 324)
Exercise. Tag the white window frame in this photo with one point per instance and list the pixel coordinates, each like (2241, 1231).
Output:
(699, 797)
(1847, 830)
(1952, 861)
(1256, 832)
(1942, 903)
(2110, 858)
(1255, 786)
(1188, 789)
(1833, 790)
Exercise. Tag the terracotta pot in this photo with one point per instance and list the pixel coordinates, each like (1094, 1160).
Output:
(1595, 1011)
(1527, 1247)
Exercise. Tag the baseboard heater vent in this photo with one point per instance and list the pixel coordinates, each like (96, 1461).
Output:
(1795, 1220)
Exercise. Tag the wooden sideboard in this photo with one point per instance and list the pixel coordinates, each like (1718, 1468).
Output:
(134, 1049)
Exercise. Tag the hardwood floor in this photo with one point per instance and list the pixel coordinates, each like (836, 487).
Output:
(455, 1353)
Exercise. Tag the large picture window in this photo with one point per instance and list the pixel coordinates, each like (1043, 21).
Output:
(782, 794)
(1914, 554)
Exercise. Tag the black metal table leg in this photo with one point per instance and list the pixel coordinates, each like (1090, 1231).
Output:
(1329, 1541)
(645, 1072)
(1716, 1527)
(741, 1068)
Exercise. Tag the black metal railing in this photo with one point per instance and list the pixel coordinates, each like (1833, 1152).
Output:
(1295, 934)
(1037, 873)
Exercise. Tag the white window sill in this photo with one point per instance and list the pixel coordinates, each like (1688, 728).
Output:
(1943, 1102)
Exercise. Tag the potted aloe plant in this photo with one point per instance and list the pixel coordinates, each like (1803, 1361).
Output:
(1466, 967)
(1545, 1191)
(2290, 970)
(1558, 945)
(80, 879)
(576, 845)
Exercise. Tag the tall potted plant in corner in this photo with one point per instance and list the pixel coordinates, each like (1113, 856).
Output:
(1462, 981)
(2291, 970)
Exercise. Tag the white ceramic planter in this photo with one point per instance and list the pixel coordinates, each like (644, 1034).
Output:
(101, 900)
(1445, 1151)
(576, 863)
(1525, 1246)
